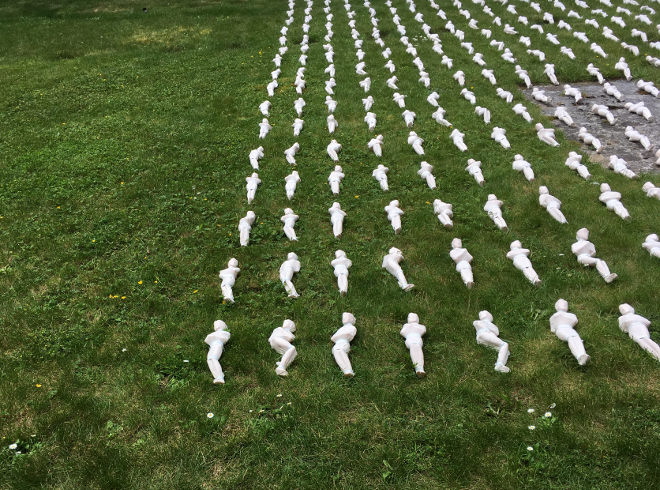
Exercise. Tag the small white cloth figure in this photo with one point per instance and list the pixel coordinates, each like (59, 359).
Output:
(342, 340)
(546, 135)
(622, 66)
(567, 51)
(648, 87)
(333, 148)
(598, 50)
(488, 74)
(391, 264)
(337, 216)
(589, 139)
(394, 214)
(499, 135)
(459, 76)
(244, 227)
(264, 127)
(335, 178)
(652, 245)
(640, 109)
(573, 92)
(433, 99)
(216, 342)
(409, 118)
(288, 268)
(457, 137)
(290, 153)
(416, 143)
(399, 99)
(551, 204)
(298, 105)
(365, 84)
(380, 174)
(462, 259)
(291, 181)
(637, 328)
(488, 335)
(483, 112)
(474, 169)
(425, 172)
(444, 212)
(413, 332)
(376, 145)
(563, 115)
(593, 71)
(341, 264)
(370, 119)
(504, 94)
(538, 53)
(562, 324)
(331, 103)
(289, 219)
(332, 123)
(469, 96)
(585, 251)
(539, 95)
(493, 207)
(368, 102)
(522, 165)
(255, 155)
(574, 162)
(635, 136)
(523, 75)
(447, 61)
(603, 111)
(439, 117)
(521, 110)
(613, 91)
(651, 190)
(612, 201)
(518, 255)
(297, 126)
(252, 182)
(228, 279)
(280, 341)
(620, 166)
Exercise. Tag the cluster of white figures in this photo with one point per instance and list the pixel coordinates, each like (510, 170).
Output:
(550, 29)
(562, 324)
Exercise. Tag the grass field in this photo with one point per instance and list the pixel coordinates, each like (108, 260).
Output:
(123, 146)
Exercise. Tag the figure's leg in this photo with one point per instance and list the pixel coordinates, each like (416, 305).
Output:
(288, 357)
(556, 213)
(650, 346)
(583, 172)
(604, 271)
(491, 340)
(290, 289)
(396, 224)
(334, 186)
(212, 358)
(342, 360)
(531, 275)
(445, 220)
(577, 349)
(655, 252)
(383, 184)
(227, 292)
(244, 237)
(466, 275)
(337, 228)
(342, 283)
(430, 181)
(528, 173)
(587, 260)
(290, 233)
(417, 357)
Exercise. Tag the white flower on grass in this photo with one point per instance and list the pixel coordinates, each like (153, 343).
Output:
(279, 395)
(530, 448)
(186, 360)
(530, 410)
(250, 411)
(547, 415)
(13, 446)
(210, 415)
(531, 427)
(124, 349)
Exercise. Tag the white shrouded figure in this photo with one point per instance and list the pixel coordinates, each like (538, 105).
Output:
(370, 119)
(462, 259)
(598, 50)
(289, 219)
(341, 264)
(521, 110)
(488, 335)
(522, 165)
(252, 182)
(444, 212)
(574, 162)
(394, 213)
(264, 107)
(288, 268)
(652, 245)
(332, 123)
(620, 166)
(413, 332)
(499, 135)
(330, 103)
(603, 111)
(426, 172)
(391, 82)
(562, 324)
(391, 263)
(567, 51)
(637, 327)
(585, 251)
(493, 207)
(228, 279)
(539, 95)
(483, 112)
(264, 128)
(399, 99)
(365, 84)
(280, 341)
(255, 155)
(546, 135)
(459, 76)
(457, 137)
(651, 190)
(433, 99)
(635, 136)
(612, 201)
(447, 61)
(337, 216)
(488, 74)
(563, 115)
(504, 94)
(368, 102)
(297, 126)
(573, 92)
(551, 204)
(290, 153)
(518, 255)
(342, 340)
(291, 181)
(298, 105)
(523, 75)
(335, 178)
(640, 109)
(610, 89)
(474, 169)
(469, 96)
(593, 71)
(589, 139)
(332, 149)
(216, 342)
(416, 142)
(409, 118)
(376, 145)
(648, 87)
(380, 174)
(244, 227)
(439, 117)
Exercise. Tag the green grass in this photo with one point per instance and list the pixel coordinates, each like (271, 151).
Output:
(123, 153)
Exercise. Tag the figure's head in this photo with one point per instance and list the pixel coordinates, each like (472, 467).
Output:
(395, 202)
(232, 262)
(456, 243)
(395, 251)
(485, 315)
(335, 205)
(251, 216)
(340, 254)
(582, 234)
(288, 211)
(629, 129)
(572, 154)
(289, 325)
(539, 126)
(254, 175)
(338, 168)
(582, 130)
(561, 305)
(413, 318)
(515, 244)
(295, 173)
(625, 309)
(652, 236)
(292, 256)
(605, 187)
(219, 325)
(517, 157)
(567, 87)
(347, 318)
(492, 197)
(647, 186)
(543, 190)
(628, 105)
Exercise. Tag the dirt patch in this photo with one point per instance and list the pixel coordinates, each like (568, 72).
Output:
(612, 137)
